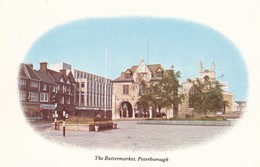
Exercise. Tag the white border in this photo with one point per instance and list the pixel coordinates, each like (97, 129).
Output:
(22, 22)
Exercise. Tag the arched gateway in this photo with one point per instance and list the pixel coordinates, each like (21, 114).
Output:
(126, 110)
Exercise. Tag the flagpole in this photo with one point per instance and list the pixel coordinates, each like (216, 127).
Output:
(147, 50)
(105, 114)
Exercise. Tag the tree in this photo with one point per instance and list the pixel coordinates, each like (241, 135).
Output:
(164, 93)
(170, 93)
(149, 96)
(207, 96)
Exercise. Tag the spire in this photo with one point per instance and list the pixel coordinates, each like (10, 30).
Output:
(213, 66)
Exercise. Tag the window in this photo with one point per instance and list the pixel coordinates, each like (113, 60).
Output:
(206, 78)
(44, 97)
(125, 89)
(53, 88)
(22, 82)
(22, 95)
(141, 89)
(68, 100)
(82, 99)
(77, 99)
(44, 87)
(159, 73)
(62, 100)
(81, 75)
(69, 89)
(58, 88)
(128, 74)
(82, 84)
(34, 84)
(33, 96)
(64, 88)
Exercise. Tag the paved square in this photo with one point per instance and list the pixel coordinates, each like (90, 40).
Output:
(131, 136)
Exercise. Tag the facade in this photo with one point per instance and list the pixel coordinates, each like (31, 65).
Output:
(43, 91)
(186, 108)
(93, 93)
(128, 87)
(240, 107)
(64, 91)
(28, 89)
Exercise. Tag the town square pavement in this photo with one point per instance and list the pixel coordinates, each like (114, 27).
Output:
(131, 136)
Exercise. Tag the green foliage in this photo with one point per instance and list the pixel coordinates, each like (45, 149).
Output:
(164, 93)
(207, 97)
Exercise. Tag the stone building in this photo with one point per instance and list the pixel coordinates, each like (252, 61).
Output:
(186, 108)
(128, 87)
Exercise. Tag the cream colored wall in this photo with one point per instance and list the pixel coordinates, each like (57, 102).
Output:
(119, 97)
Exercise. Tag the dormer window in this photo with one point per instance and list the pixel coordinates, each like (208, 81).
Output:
(128, 74)
(159, 72)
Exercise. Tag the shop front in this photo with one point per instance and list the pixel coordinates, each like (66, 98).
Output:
(47, 110)
(32, 111)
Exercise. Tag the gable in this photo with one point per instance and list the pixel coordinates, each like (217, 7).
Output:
(142, 68)
(68, 81)
(22, 73)
(128, 71)
(159, 69)
(61, 79)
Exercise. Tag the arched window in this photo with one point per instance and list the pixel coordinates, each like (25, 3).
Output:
(206, 78)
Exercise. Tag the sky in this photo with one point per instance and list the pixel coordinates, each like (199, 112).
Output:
(181, 43)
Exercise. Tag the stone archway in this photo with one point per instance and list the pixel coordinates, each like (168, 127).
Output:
(140, 111)
(126, 110)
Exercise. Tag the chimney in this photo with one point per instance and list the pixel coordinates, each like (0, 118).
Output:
(63, 71)
(31, 66)
(43, 67)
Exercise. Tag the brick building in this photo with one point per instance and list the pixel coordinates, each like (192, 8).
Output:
(39, 88)
(28, 89)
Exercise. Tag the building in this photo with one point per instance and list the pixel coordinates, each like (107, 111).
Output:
(240, 107)
(128, 87)
(28, 89)
(64, 91)
(186, 108)
(93, 93)
(46, 91)
(43, 91)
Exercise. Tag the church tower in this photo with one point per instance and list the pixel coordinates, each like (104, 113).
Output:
(207, 74)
